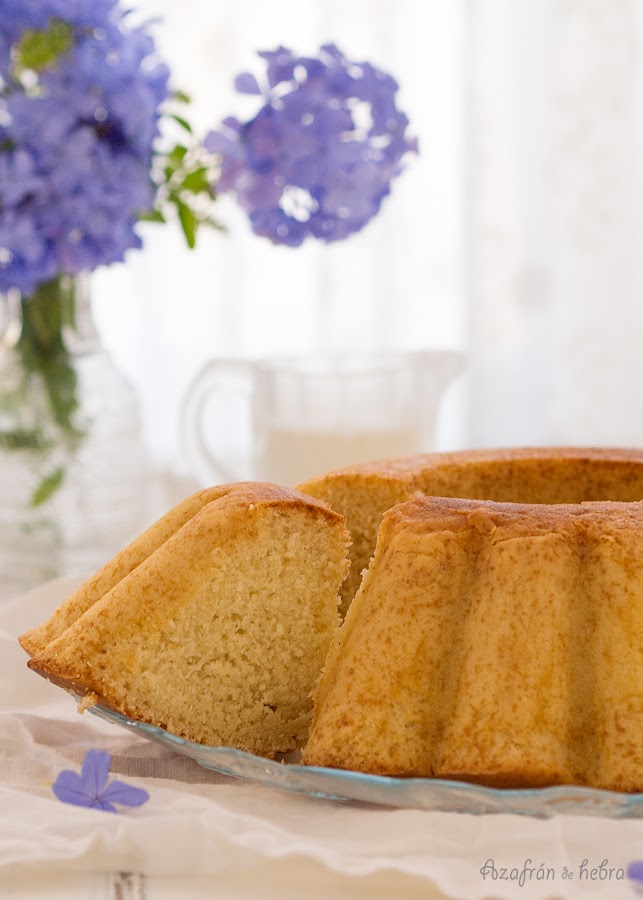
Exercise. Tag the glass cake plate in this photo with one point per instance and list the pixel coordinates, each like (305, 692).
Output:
(402, 793)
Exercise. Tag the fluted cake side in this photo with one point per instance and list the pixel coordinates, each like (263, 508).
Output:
(495, 643)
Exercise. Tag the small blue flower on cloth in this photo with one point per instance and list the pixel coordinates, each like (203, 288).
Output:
(635, 874)
(91, 789)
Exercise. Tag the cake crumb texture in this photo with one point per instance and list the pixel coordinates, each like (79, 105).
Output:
(219, 636)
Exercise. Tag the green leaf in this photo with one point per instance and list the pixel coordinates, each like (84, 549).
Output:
(152, 215)
(47, 487)
(182, 122)
(37, 50)
(196, 181)
(181, 97)
(19, 439)
(188, 222)
(178, 153)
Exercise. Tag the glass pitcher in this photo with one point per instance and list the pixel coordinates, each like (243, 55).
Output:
(287, 419)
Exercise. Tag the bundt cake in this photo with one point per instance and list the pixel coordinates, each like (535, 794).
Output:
(498, 643)
(220, 634)
(496, 638)
(363, 493)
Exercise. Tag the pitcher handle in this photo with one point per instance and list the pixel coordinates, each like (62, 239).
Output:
(217, 377)
(439, 368)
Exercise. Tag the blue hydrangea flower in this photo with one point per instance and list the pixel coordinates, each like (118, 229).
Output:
(37, 14)
(319, 157)
(90, 788)
(635, 874)
(78, 150)
(17, 16)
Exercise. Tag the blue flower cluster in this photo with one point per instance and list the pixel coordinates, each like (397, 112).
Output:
(76, 147)
(319, 156)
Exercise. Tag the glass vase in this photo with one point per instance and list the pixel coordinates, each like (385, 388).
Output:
(73, 468)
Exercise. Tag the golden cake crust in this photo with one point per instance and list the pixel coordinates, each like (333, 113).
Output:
(547, 475)
(116, 569)
(405, 468)
(140, 549)
(496, 643)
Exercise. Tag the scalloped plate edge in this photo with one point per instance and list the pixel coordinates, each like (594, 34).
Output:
(402, 793)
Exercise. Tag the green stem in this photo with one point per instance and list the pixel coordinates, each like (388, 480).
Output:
(45, 315)
(45, 360)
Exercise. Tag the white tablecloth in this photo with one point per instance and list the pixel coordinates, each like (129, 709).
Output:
(200, 824)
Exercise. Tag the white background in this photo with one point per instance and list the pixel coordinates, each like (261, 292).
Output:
(398, 283)
(515, 235)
